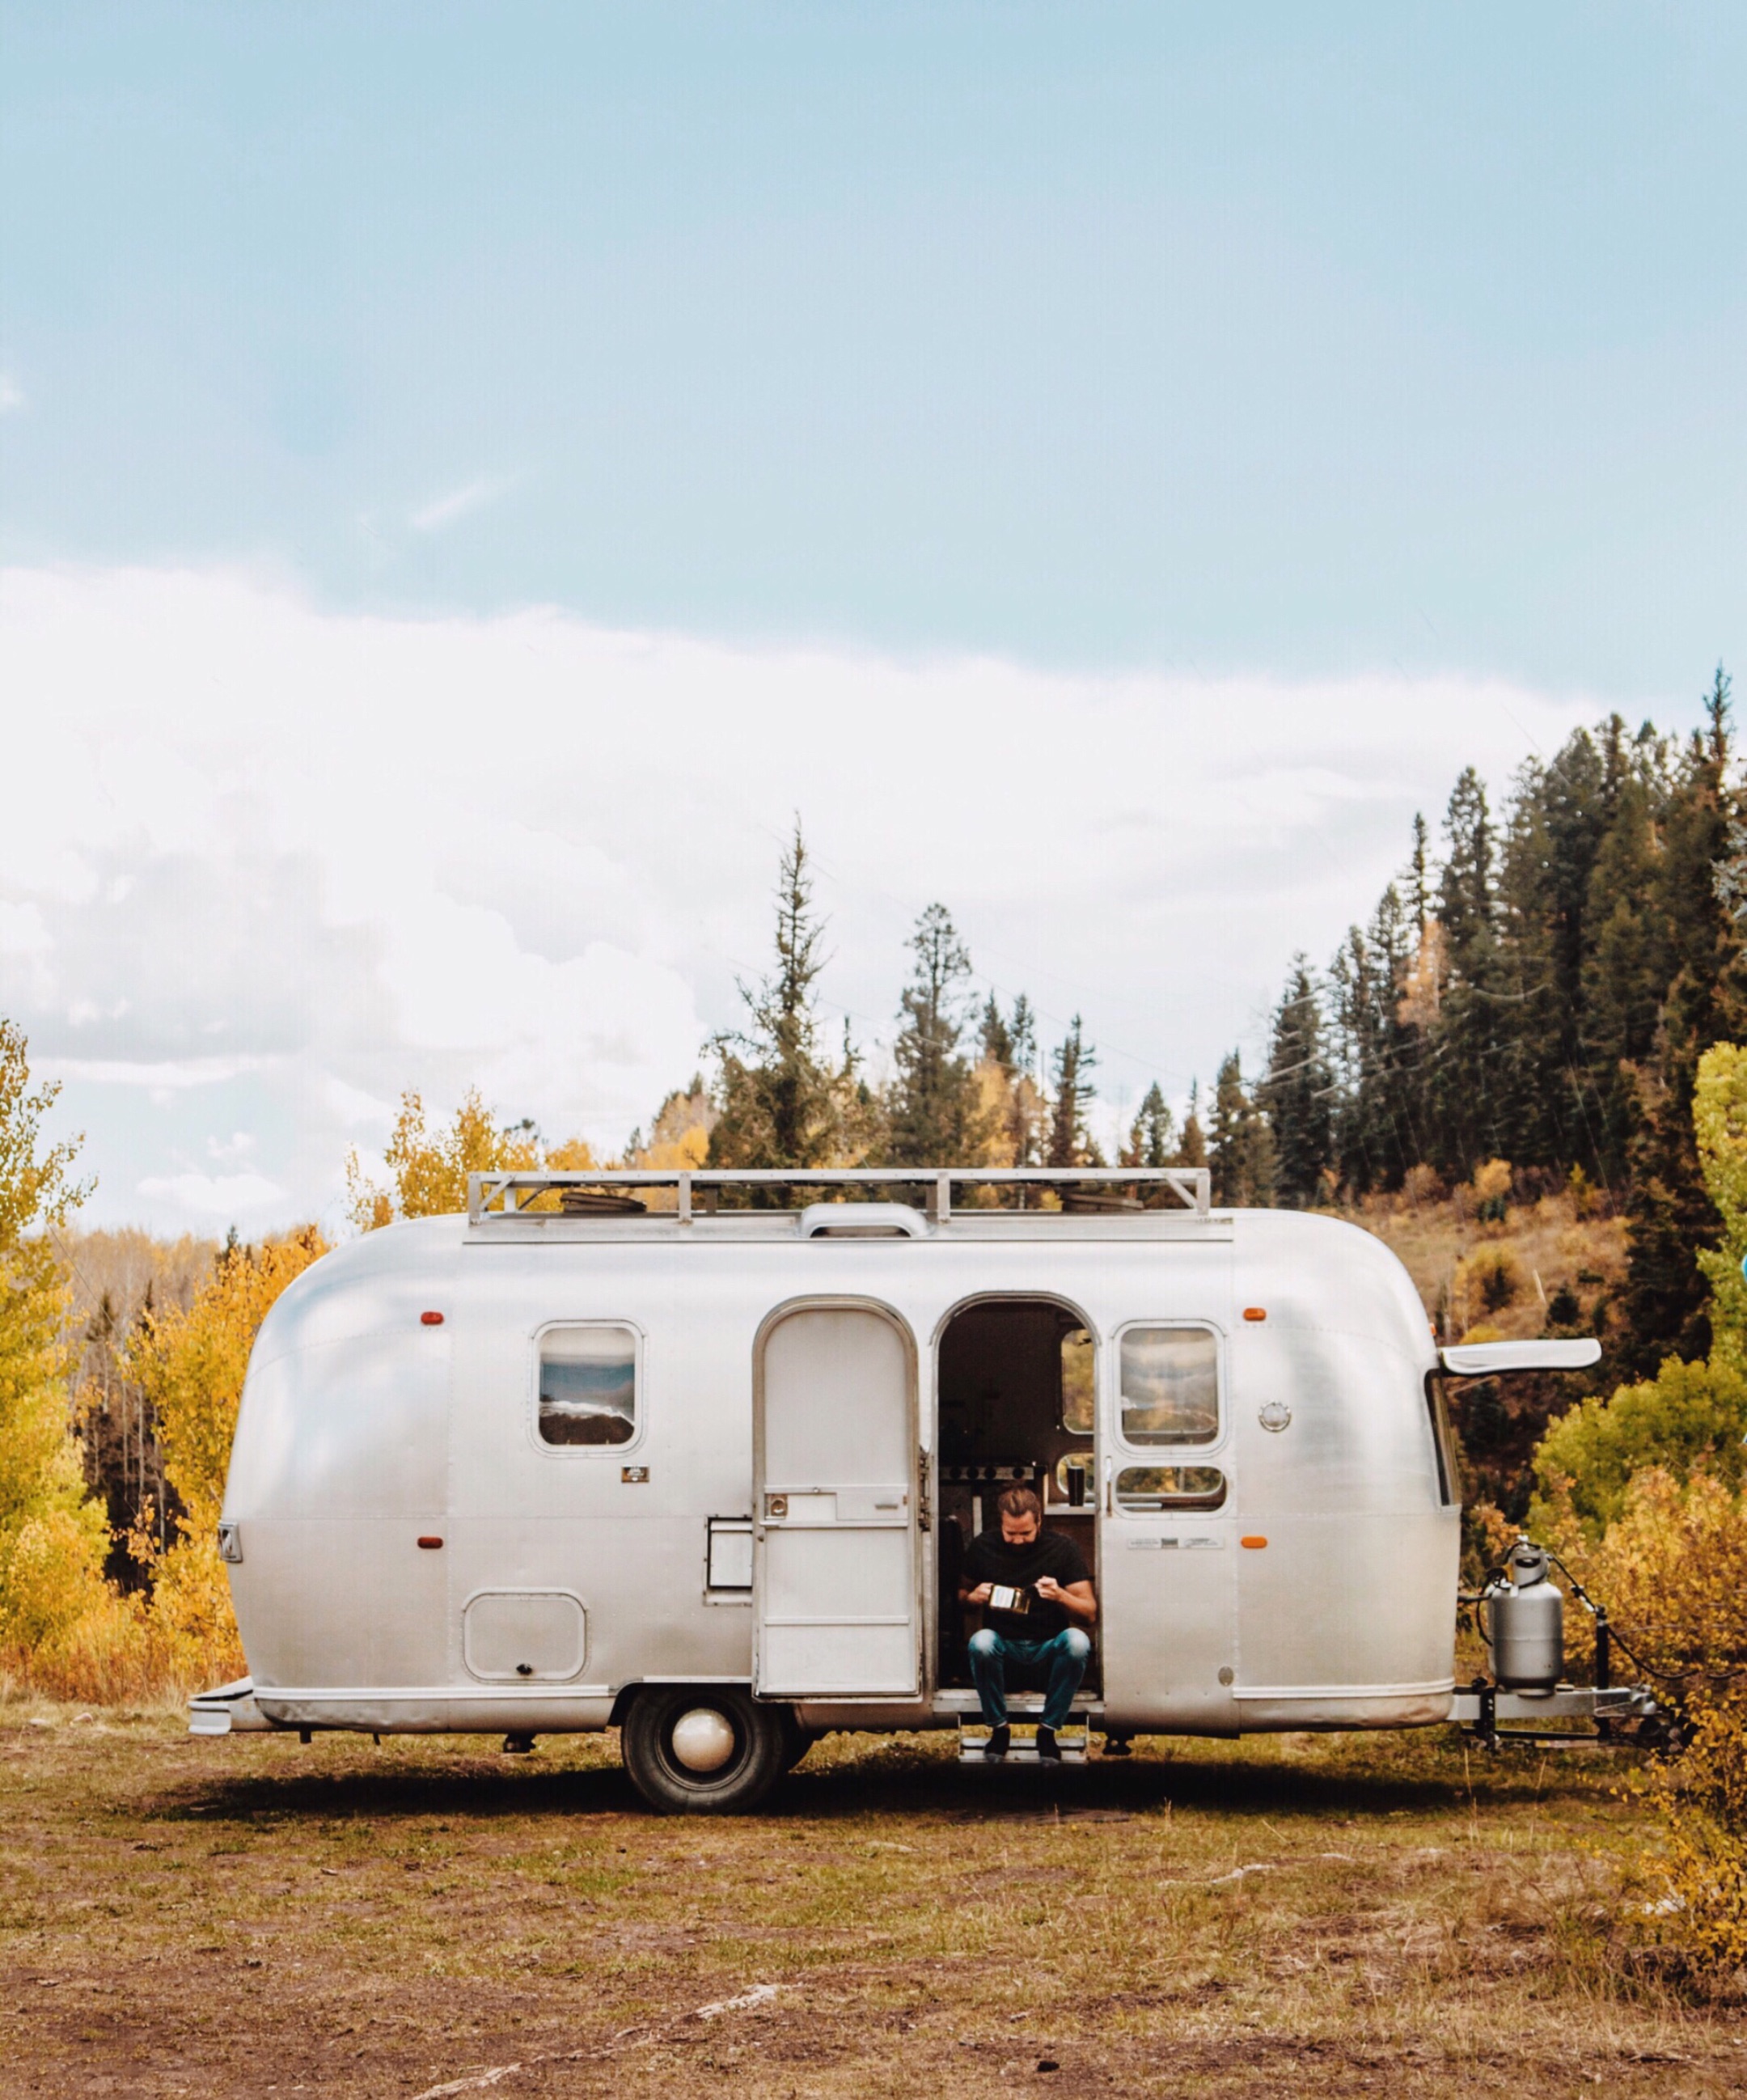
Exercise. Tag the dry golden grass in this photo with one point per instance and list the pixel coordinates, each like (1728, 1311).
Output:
(1301, 1915)
(1438, 1243)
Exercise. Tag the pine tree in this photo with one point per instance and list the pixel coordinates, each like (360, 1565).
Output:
(1072, 1093)
(1375, 1053)
(1468, 1072)
(1669, 1214)
(1192, 1151)
(1419, 893)
(1297, 1094)
(1150, 1134)
(997, 1035)
(932, 1117)
(1023, 1025)
(1627, 965)
(781, 1104)
(1241, 1152)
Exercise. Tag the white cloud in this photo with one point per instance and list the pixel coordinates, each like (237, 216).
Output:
(209, 1196)
(283, 863)
(171, 1075)
(447, 510)
(12, 394)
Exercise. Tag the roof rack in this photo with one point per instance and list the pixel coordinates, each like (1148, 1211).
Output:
(508, 1195)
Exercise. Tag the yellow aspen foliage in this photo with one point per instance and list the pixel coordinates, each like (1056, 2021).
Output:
(1719, 1124)
(1673, 1569)
(55, 1604)
(191, 1365)
(679, 1140)
(574, 1156)
(995, 1113)
(429, 1166)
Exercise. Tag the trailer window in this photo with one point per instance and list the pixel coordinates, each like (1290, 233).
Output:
(1141, 1489)
(588, 1385)
(1170, 1385)
(1079, 1405)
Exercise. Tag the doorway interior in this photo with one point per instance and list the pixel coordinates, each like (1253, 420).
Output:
(1018, 1404)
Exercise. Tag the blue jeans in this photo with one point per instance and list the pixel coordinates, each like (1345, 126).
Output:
(1065, 1658)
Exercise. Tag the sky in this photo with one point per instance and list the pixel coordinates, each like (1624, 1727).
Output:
(470, 476)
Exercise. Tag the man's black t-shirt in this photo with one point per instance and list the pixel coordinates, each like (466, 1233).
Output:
(990, 1558)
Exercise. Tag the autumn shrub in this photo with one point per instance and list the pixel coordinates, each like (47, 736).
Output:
(1688, 1416)
(191, 1365)
(1491, 1188)
(62, 1627)
(1703, 1801)
(1490, 1277)
(1671, 1568)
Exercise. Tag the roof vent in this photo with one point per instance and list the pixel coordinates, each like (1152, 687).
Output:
(861, 1221)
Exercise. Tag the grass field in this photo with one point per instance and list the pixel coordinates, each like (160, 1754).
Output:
(1297, 1916)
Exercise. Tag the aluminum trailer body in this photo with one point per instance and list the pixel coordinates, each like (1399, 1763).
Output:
(511, 1472)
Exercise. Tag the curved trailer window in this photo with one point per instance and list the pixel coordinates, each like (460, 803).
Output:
(588, 1384)
(1170, 1385)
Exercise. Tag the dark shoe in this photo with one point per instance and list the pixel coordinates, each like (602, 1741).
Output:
(1048, 1750)
(1000, 1740)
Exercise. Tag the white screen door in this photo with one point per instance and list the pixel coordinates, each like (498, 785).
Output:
(836, 1568)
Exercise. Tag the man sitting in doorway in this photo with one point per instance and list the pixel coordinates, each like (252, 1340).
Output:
(1046, 1636)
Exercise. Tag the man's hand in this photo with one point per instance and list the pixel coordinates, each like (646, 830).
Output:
(980, 1595)
(1078, 1599)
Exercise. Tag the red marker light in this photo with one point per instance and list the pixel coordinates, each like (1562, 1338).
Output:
(430, 1544)
(430, 1319)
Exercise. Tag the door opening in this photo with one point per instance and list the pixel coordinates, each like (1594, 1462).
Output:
(1018, 1405)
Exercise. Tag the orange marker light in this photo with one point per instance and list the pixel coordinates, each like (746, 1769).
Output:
(1252, 1542)
(1256, 1312)
(429, 1543)
(430, 1319)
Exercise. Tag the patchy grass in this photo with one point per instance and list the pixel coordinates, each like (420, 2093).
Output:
(1300, 1915)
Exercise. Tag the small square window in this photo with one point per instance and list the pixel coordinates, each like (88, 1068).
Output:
(1170, 1385)
(588, 1385)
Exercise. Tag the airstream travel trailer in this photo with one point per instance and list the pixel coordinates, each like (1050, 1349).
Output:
(708, 1473)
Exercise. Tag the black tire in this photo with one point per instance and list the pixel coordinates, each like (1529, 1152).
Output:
(758, 1760)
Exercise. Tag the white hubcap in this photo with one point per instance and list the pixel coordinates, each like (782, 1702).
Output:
(702, 1740)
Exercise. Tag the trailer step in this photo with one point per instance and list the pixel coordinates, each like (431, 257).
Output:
(1021, 1706)
(1071, 1740)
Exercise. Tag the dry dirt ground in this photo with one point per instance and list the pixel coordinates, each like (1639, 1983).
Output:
(430, 1917)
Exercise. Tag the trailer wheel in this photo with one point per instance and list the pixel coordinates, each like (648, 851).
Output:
(710, 1750)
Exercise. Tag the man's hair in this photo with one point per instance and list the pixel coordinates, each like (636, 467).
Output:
(1020, 1501)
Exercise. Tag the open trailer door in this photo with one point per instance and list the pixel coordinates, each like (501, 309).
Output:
(835, 1571)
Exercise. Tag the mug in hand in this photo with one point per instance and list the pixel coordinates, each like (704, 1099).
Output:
(1002, 1599)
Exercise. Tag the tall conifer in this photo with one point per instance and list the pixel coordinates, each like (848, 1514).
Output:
(1297, 1094)
(932, 1118)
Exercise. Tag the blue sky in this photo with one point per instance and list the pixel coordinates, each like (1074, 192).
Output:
(1237, 355)
(1302, 338)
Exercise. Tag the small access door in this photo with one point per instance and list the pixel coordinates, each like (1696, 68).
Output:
(836, 1573)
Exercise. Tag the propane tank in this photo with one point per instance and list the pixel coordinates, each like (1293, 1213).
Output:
(1526, 1624)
